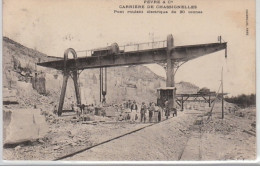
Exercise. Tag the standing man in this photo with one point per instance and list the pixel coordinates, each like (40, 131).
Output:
(160, 112)
(128, 104)
(82, 108)
(133, 111)
(156, 113)
(175, 112)
(167, 111)
(128, 110)
(72, 106)
(151, 110)
(143, 111)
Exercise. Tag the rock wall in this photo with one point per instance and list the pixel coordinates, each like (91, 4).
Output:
(123, 83)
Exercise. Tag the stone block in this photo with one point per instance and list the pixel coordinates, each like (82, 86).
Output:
(21, 125)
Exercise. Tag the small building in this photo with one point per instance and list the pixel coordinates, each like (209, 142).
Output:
(166, 94)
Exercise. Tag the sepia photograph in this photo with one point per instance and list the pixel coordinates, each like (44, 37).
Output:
(128, 81)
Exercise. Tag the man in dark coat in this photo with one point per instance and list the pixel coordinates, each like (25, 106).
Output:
(143, 111)
(167, 110)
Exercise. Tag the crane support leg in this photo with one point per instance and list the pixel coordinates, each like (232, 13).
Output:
(66, 74)
(63, 91)
(76, 85)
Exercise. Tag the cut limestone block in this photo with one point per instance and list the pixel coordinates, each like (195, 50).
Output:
(21, 125)
(9, 96)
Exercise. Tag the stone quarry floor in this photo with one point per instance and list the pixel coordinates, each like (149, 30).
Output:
(189, 136)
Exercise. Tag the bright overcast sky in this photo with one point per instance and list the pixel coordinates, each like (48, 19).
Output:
(51, 26)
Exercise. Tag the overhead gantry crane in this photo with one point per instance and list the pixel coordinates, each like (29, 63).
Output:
(158, 52)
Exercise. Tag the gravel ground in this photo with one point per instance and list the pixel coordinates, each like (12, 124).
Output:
(180, 138)
(65, 137)
(162, 141)
(189, 136)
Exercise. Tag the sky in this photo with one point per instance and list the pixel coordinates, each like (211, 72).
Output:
(52, 26)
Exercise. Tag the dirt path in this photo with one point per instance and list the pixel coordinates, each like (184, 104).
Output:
(179, 139)
(192, 150)
(163, 141)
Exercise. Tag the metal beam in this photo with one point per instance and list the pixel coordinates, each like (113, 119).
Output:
(199, 95)
(178, 54)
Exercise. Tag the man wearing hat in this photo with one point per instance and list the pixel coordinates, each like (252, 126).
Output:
(133, 111)
(143, 111)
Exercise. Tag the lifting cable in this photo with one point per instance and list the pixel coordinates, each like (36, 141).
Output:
(103, 89)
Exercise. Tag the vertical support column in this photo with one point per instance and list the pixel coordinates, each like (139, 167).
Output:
(170, 63)
(63, 91)
(170, 70)
(76, 85)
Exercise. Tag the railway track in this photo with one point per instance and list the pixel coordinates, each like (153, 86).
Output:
(106, 141)
(192, 148)
(190, 151)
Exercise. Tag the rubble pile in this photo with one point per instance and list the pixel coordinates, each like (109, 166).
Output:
(218, 126)
(246, 113)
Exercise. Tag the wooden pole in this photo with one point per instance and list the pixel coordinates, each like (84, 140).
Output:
(101, 81)
(222, 94)
(105, 79)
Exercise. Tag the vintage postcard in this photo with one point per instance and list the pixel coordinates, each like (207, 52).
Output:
(129, 80)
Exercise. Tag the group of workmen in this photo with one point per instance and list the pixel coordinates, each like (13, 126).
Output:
(152, 111)
(130, 111)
